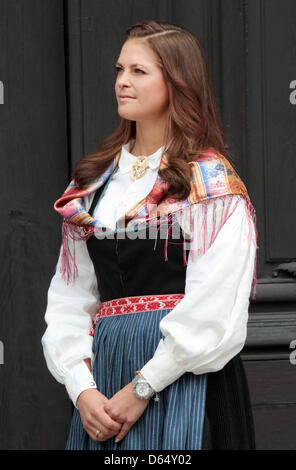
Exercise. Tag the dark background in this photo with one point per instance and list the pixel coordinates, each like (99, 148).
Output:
(57, 66)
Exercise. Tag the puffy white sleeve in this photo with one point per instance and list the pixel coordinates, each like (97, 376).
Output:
(208, 327)
(70, 307)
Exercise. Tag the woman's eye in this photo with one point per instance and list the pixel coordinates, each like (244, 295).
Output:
(119, 68)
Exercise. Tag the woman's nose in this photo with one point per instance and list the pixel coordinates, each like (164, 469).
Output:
(123, 78)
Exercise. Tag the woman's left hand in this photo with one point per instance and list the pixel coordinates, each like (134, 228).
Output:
(125, 407)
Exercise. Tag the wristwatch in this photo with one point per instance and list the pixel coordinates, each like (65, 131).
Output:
(142, 388)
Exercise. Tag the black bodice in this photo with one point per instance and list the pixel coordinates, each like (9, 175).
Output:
(130, 267)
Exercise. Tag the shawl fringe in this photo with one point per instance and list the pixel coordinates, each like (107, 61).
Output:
(198, 235)
(213, 178)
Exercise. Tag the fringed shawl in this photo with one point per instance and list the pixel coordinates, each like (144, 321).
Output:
(212, 177)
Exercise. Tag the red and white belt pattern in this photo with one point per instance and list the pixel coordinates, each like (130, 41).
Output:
(142, 303)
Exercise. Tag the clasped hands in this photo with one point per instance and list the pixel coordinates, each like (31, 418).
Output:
(113, 417)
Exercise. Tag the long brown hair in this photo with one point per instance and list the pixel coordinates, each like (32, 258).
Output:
(194, 124)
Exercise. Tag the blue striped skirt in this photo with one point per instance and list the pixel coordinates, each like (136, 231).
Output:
(122, 345)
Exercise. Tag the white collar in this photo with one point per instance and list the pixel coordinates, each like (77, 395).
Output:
(127, 160)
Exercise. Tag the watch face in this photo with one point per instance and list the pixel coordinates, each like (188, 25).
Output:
(142, 389)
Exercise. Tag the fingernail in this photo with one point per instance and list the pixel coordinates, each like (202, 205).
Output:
(117, 440)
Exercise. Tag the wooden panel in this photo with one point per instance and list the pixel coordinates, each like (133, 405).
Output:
(271, 382)
(271, 329)
(276, 290)
(272, 388)
(278, 47)
(234, 92)
(35, 410)
(270, 67)
(274, 427)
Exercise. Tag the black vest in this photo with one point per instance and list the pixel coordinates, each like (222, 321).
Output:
(131, 267)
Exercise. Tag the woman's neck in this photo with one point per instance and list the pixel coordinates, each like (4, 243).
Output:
(149, 138)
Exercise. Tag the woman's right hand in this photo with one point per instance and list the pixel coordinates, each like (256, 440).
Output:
(90, 404)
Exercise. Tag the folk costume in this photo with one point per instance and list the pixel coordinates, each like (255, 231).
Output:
(146, 282)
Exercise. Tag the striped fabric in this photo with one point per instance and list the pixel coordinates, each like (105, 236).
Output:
(122, 345)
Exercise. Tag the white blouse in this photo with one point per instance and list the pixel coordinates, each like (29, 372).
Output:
(202, 333)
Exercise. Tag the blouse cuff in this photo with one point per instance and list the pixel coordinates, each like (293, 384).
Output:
(162, 369)
(78, 379)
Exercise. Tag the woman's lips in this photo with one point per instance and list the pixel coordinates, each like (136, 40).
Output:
(126, 98)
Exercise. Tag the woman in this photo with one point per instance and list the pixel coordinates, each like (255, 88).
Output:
(159, 256)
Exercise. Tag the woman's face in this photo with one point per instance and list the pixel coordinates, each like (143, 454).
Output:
(140, 77)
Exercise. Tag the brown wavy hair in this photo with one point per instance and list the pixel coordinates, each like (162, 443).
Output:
(193, 125)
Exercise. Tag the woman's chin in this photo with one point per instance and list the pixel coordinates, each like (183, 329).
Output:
(126, 115)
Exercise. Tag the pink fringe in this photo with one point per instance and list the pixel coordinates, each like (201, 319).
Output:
(252, 218)
(204, 240)
(68, 267)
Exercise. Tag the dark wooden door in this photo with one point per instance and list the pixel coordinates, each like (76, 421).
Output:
(57, 69)
(34, 168)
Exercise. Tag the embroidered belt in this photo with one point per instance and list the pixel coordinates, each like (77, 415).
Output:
(142, 303)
